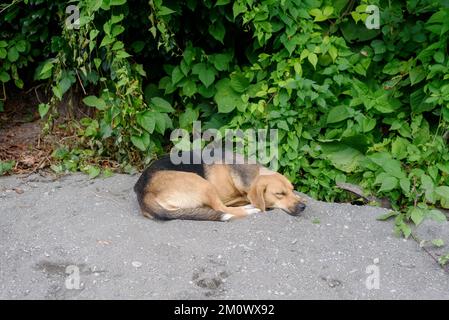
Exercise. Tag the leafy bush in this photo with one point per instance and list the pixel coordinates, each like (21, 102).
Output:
(370, 107)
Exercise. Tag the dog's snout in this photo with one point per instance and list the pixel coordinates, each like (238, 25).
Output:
(300, 207)
(296, 209)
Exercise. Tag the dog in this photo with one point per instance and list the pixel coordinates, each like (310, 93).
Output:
(213, 192)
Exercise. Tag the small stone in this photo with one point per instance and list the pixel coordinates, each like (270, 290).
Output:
(18, 191)
(136, 264)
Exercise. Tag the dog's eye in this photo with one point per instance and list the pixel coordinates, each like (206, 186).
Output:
(280, 194)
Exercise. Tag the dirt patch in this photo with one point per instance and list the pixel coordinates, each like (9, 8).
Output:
(20, 133)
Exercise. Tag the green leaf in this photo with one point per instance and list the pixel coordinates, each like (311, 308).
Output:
(43, 109)
(318, 14)
(163, 122)
(164, 11)
(13, 54)
(342, 156)
(442, 191)
(394, 168)
(146, 120)
(3, 53)
(45, 70)
(106, 41)
(189, 88)
(443, 260)
(399, 148)
(116, 2)
(327, 11)
(378, 46)
(238, 8)
(239, 83)
(404, 228)
(439, 57)
(417, 102)
(333, 52)
(93, 171)
(313, 59)
(187, 118)
(387, 216)
(142, 142)
(116, 30)
(225, 97)
(176, 75)
(122, 54)
(436, 215)
(107, 173)
(161, 105)
(217, 30)
(417, 215)
(405, 185)
(105, 129)
(65, 83)
(4, 76)
(205, 73)
(21, 45)
(115, 18)
(97, 62)
(357, 32)
(388, 184)
(417, 75)
(438, 242)
(6, 166)
(206, 92)
(338, 114)
(93, 101)
(283, 125)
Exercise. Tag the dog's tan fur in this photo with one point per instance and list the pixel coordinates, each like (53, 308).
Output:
(220, 195)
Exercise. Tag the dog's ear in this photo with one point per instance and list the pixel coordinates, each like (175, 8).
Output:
(256, 193)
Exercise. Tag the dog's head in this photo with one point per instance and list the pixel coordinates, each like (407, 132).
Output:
(273, 190)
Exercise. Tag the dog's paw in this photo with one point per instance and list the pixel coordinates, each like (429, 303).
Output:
(250, 209)
(227, 217)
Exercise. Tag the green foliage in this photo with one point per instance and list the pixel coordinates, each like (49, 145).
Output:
(438, 242)
(369, 107)
(6, 166)
(443, 260)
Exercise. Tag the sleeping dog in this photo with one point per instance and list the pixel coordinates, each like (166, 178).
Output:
(215, 192)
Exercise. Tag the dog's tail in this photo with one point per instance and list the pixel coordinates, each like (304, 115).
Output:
(202, 213)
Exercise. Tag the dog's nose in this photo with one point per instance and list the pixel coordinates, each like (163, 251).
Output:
(300, 207)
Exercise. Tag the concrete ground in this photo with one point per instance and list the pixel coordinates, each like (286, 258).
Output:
(51, 231)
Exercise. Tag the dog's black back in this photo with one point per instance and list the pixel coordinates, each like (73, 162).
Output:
(165, 163)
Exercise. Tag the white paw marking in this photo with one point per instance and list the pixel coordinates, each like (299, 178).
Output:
(226, 217)
(249, 209)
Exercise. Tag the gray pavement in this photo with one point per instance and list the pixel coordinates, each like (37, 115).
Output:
(50, 229)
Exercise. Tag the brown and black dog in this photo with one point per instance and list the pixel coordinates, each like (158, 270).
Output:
(216, 192)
